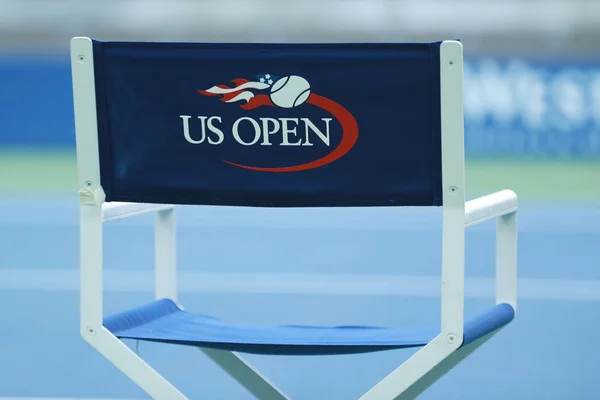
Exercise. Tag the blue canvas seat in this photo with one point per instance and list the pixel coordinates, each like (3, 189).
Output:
(165, 321)
(277, 125)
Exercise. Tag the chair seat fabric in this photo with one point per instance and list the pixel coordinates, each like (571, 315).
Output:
(165, 321)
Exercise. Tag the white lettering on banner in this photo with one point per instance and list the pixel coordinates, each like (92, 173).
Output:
(530, 93)
(248, 131)
(569, 100)
(203, 135)
(474, 108)
(267, 131)
(286, 130)
(236, 132)
(496, 92)
(214, 130)
(536, 96)
(186, 130)
(323, 136)
(516, 107)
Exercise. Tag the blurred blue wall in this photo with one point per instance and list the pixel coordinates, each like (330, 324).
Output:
(512, 106)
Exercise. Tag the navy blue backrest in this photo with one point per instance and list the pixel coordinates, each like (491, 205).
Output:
(270, 125)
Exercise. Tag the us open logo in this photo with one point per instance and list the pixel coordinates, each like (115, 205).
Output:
(287, 92)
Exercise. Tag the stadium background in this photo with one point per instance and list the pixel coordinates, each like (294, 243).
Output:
(532, 109)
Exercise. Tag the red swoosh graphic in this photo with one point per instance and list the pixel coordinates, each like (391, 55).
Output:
(258, 101)
(350, 136)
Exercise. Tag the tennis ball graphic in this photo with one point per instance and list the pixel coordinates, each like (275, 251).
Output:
(290, 91)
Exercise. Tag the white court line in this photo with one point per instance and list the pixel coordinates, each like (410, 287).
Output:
(139, 281)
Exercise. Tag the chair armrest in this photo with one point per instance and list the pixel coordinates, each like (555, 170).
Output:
(503, 206)
(118, 210)
(490, 206)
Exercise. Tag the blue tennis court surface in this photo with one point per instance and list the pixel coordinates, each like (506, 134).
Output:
(313, 267)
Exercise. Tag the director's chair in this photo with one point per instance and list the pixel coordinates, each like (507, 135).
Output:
(277, 125)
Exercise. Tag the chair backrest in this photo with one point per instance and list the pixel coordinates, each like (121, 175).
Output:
(271, 125)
